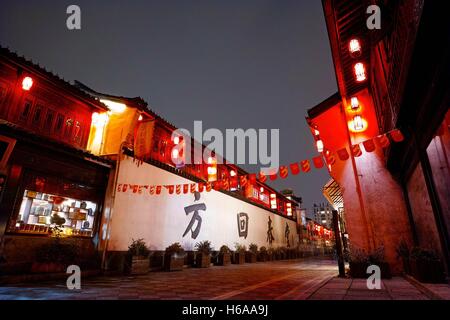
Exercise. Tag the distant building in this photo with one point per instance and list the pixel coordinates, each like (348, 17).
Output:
(323, 214)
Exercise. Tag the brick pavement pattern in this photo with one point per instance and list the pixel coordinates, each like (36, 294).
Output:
(278, 280)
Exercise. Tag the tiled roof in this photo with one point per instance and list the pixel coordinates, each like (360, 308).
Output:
(23, 62)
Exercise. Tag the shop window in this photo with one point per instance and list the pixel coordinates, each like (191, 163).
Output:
(26, 110)
(46, 200)
(38, 211)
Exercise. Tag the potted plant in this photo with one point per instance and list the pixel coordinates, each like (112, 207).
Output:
(263, 255)
(426, 266)
(239, 254)
(377, 258)
(224, 256)
(138, 256)
(250, 255)
(282, 253)
(56, 255)
(203, 256)
(174, 257)
(270, 254)
(404, 252)
(358, 262)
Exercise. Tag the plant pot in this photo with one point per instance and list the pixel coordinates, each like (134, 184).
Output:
(202, 260)
(406, 265)
(427, 271)
(238, 258)
(263, 257)
(250, 257)
(224, 259)
(385, 270)
(358, 270)
(173, 262)
(47, 267)
(139, 265)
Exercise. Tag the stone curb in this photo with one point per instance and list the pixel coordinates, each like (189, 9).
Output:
(429, 293)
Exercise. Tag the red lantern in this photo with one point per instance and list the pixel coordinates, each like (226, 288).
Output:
(27, 83)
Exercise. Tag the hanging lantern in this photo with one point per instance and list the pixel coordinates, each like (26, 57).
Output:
(273, 200)
(319, 144)
(212, 169)
(358, 124)
(289, 208)
(354, 103)
(354, 47)
(27, 83)
(360, 72)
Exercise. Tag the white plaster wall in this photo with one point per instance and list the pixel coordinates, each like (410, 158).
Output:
(161, 220)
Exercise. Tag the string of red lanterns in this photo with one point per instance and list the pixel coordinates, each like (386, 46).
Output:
(328, 157)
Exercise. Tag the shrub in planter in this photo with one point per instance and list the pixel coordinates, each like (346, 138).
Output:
(283, 253)
(426, 266)
(55, 257)
(174, 257)
(224, 256)
(138, 261)
(358, 262)
(263, 255)
(270, 254)
(203, 256)
(377, 258)
(250, 255)
(404, 252)
(239, 254)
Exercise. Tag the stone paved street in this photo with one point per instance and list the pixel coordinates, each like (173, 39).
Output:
(396, 288)
(290, 279)
(313, 279)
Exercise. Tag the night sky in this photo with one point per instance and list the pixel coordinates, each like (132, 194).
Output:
(232, 64)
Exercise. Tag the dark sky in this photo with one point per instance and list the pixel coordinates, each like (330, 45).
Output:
(232, 64)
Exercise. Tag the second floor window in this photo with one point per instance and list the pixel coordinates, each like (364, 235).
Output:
(49, 120)
(26, 110)
(59, 123)
(37, 116)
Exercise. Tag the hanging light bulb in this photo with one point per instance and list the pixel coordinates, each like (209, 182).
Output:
(354, 47)
(27, 83)
(360, 72)
(354, 103)
(358, 123)
(319, 145)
